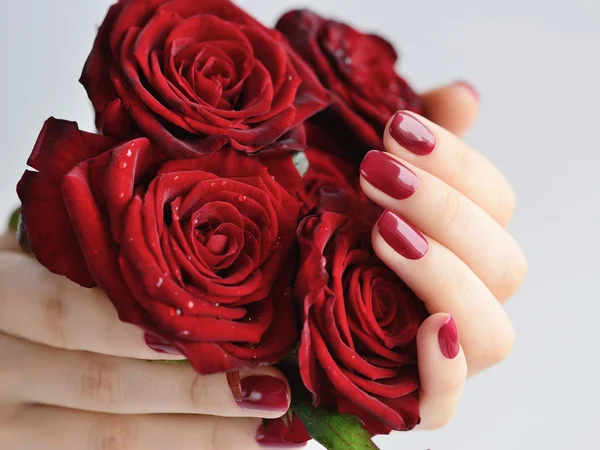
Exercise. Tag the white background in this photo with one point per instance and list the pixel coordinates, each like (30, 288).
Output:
(536, 65)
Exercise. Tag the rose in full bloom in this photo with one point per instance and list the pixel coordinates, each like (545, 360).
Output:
(196, 251)
(359, 70)
(358, 344)
(196, 75)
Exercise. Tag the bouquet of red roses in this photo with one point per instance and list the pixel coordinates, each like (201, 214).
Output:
(219, 206)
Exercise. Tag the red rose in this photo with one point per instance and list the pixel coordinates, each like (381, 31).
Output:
(358, 68)
(196, 251)
(358, 349)
(195, 75)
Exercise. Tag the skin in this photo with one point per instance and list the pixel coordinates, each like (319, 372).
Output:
(73, 376)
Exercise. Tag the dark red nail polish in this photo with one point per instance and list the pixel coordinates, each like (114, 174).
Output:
(448, 338)
(401, 236)
(261, 393)
(160, 345)
(389, 175)
(474, 92)
(411, 134)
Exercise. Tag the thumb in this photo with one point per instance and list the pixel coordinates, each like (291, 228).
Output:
(442, 369)
(454, 107)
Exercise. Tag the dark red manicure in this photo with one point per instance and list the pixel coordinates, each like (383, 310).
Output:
(448, 338)
(259, 393)
(389, 175)
(401, 236)
(160, 345)
(411, 134)
(469, 87)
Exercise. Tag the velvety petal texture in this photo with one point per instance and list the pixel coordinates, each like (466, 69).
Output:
(194, 76)
(357, 351)
(359, 70)
(196, 251)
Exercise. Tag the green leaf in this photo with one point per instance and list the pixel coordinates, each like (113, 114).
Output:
(333, 430)
(13, 223)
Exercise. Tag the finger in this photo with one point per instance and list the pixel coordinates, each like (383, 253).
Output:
(8, 242)
(446, 284)
(42, 307)
(449, 217)
(47, 428)
(100, 383)
(442, 371)
(439, 152)
(453, 107)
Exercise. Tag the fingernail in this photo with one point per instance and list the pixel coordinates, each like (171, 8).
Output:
(411, 134)
(401, 236)
(448, 339)
(259, 393)
(389, 175)
(160, 345)
(474, 92)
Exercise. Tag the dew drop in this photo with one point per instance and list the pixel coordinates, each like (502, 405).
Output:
(289, 78)
(190, 305)
(122, 194)
(129, 151)
(130, 239)
(213, 184)
(217, 305)
(159, 282)
(178, 311)
(347, 60)
(122, 165)
(242, 198)
(176, 177)
(223, 183)
(185, 333)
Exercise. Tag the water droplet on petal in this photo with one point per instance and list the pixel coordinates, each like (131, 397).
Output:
(159, 282)
(185, 333)
(223, 183)
(347, 60)
(242, 198)
(178, 311)
(289, 78)
(213, 184)
(217, 305)
(176, 177)
(129, 151)
(190, 305)
(122, 194)
(122, 165)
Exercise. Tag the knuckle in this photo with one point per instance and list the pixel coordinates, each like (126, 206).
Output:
(506, 204)
(454, 283)
(100, 380)
(513, 276)
(53, 316)
(198, 391)
(115, 433)
(452, 211)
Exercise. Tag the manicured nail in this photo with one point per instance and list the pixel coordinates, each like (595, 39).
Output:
(259, 393)
(160, 345)
(389, 175)
(411, 134)
(401, 236)
(474, 92)
(448, 338)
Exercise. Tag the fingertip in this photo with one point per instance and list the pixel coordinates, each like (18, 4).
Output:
(453, 107)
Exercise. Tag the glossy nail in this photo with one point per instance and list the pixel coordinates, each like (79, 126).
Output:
(259, 393)
(448, 339)
(160, 345)
(465, 84)
(411, 134)
(401, 236)
(389, 175)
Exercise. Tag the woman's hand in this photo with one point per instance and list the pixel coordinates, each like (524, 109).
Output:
(72, 376)
(443, 232)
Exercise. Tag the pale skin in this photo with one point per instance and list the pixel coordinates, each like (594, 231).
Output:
(73, 377)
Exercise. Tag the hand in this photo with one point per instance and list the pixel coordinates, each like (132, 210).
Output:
(444, 234)
(72, 376)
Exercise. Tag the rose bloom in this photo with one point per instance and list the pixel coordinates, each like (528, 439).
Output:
(196, 75)
(194, 251)
(358, 344)
(359, 70)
